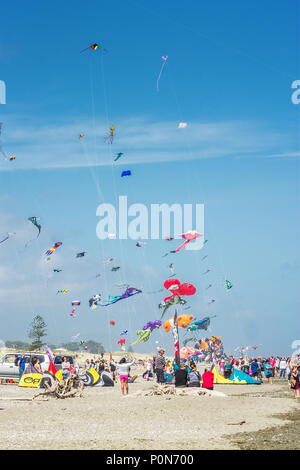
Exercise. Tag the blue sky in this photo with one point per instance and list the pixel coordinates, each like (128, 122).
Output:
(229, 76)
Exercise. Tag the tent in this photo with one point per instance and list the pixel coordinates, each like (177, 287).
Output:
(238, 376)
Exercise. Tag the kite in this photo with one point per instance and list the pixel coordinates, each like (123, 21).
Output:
(81, 342)
(34, 221)
(126, 173)
(152, 325)
(48, 259)
(144, 335)
(129, 292)
(110, 136)
(81, 136)
(188, 236)
(72, 312)
(207, 271)
(12, 158)
(124, 332)
(112, 322)
(75, 337)
(81, 255)
(177, 288)
(182, 125)
(200, 324)
(164, 58)
(7, 237)
(140, 244)
(211, 302)
(108, 260)
(76, 302)
(169, 239)
(204, 257)
(62, 291)
(182, 321)
(208, 287)
(116, 268)
(228, 284)
(57, 270)
(122, 341)
(53, 248)
(170, 303)
(186, 341)
(94, 47)
(93, 302)
(117, 156)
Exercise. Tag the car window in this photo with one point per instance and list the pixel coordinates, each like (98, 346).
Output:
(41, 358)
(10, 358)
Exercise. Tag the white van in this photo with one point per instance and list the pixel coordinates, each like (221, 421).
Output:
(8, 363)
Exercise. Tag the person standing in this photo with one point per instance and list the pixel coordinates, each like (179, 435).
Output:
(282, 367)
(123, 369)
(294, 380)
(160, 363)
(65, 367)
(21, 365)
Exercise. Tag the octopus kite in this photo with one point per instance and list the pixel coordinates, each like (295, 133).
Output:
(34, 221)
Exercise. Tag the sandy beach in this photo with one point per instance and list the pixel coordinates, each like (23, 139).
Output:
(103, 419)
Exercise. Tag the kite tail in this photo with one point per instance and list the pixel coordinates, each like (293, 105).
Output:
(182, 246)
(158, 78)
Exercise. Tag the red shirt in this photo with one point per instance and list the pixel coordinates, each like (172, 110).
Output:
(208, 380)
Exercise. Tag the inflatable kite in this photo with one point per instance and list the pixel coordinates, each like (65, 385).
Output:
(178, 289)
(112, 322)
(129, 292)
(182, 321)
(126, 173)
(117, 156)
(144, 335)
(171, 303)
(152, 325)
(200, 324)
(93, 302)
(53, 248)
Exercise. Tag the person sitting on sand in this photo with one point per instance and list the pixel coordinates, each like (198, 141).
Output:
(181, 375)
(194, 377)
(123, 368)
(208, 380)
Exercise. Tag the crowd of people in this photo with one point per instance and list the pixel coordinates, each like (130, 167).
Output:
(183, 374)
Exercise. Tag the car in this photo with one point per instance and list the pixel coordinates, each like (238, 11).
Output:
(8, 363)
(10, 370)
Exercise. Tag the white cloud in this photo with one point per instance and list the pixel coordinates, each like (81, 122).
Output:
(141, 139)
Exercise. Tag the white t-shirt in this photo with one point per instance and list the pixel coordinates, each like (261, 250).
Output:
(282, 364)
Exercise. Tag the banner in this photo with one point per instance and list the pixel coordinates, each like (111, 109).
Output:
(30, 380)
(176, 340)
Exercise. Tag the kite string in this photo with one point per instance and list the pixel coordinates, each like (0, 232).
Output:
(161, 70)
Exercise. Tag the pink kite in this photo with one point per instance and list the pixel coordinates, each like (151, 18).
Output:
(122, 341)
(188, 236)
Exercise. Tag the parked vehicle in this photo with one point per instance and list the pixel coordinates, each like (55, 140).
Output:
(9, 368)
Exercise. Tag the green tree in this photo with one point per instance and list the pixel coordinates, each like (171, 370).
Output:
(37, 331)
